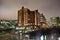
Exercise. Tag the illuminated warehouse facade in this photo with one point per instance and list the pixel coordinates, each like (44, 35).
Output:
(27, 17)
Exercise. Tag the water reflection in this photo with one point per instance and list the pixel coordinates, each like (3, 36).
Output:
(53, 36)
(35, 35)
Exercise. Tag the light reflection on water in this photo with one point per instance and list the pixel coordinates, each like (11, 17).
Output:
(37, 37)
(45, 37)
(53, 36)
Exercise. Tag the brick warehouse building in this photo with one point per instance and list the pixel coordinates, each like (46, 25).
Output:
(27, 17)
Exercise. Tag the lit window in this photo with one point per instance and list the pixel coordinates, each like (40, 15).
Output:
(44, 25)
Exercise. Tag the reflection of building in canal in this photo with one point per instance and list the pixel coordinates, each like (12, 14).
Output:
(54, 34)
(45, 34)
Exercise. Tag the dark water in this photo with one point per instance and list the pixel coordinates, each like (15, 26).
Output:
(27, 37)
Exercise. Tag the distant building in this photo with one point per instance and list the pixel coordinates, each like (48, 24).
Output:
(43, 21)
(55, 21)
(42, 18)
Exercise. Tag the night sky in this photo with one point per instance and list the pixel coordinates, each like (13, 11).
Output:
(9, 8)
